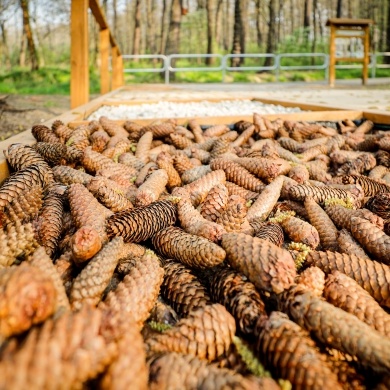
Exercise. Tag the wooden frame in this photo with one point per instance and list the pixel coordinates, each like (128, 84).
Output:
(359, 25)
(79, 84)
(78, 116)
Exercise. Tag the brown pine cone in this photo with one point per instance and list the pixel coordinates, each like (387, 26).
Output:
(99, 139)
(199, 189)
(268, 231)
(112, 128)
(342, 216)
(108, 195)
(141, 223)
(238, 295)
(202, 155)
(244, 136)
(194, 126)
(16, 241)
(289, 352)
(299, 173)
(343, 292)
(193, 373)
(319, 194)
(63, 132)
(174, 179)
(182, 163)
(151, 189)
(52, 153)
(21, 156)
(338, 329)
(84, 244)
(214, 203)
(159, 130)
(233, 218)
(370, 186)
(78, 141)
(265, 202)
(383, 158)
(56, 124)
(267, 266)
(43, 134)
(130, 160)
(62, 343)
(138, 292)
(237, 174)
(90, 283)
(40, 259)
(67, 175)
(365, 162)
(193, 251)
(347, 244)
(128, 370)
(27, 297)
(234, 189)
(182, 289)
(65, 268)
(380, 205)
(162, 313)
(373, 239)
(216, 131)
(312, 279)
(206, 333)
(48, 225)
(326, 229)
(114, 151)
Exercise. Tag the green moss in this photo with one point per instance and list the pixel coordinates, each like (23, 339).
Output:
(159, 326)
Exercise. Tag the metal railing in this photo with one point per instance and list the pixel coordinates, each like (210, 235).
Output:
(169, 63)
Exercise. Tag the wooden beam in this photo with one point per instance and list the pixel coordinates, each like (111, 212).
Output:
(104, 49)
(79, 83)
(332, 56)
(98, 14)
(366, 58)
(117, 68)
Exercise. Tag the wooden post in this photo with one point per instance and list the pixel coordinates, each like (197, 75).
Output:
(104, 48)
(332, 56)
(117, 68)
(79, 83)
(366, 44)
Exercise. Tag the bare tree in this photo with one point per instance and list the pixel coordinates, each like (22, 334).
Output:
(306, 18)
(137, 28)
(29, 36)
(272, 31)
(339, 9)
(211, 7)
(173, 40)
(240, 17)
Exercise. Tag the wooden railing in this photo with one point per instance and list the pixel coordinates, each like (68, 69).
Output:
(79, 84)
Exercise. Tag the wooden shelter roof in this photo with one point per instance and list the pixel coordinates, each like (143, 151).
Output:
(349, 22)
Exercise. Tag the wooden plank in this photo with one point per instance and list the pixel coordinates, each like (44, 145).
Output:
(301, 105)
(377, 117)
(350, 59)
(117, 70)
(79, 83)
(348, 22)
(98, 14)
(217, 120)
(104, 49)
(347, 36)
(366, 59)
(332, 56)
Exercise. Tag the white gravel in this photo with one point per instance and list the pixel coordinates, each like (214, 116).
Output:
(192, 109)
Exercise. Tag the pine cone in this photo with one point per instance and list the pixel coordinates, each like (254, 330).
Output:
(291, 354)
(234, 189)
(326, 229)
(373, 239)
(182, 163)
(43, 134)
(91, 282)
(130, 253)
(193, 251)
(143, 146)
(202, 155)
(343, 292)
(244, 136)
(265, 202)
(312, 279)
(65, 268)
(16, 241)
(143, 222)
(233, 218)
(238, 295)
(195, 173)
(40, 259)
(99, 139)
(237, 174)
(206, 333)
(174, 179)
(27, 297)
(199, 189)
(163, 314)
(138, 292)
(267, 266)
(216, 131)
(49, 223)
(370, 186)
(380, 205)
(193, 373)
(383, 158)
(269, 231)
(128, 370)
(194, 126)
(215, 202)
(338, 329)
(52, 153)
(182, 289)
(67, 175)
(319, 194)
(347, 244)
(152, 188)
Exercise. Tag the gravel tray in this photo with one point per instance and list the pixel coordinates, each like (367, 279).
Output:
(192, 109)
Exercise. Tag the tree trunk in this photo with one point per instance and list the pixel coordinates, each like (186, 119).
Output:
(4, 46)
(219, 23)
(387, 59)
(226, 25)
(306, 19)
(240, 17)
(28, 34)
(272, 31)
(173, 40)
(151, 20)
(259, 35)
(137, 29)
(164, 27)
(211, 29)
(292, 16)
(115, 17)
(339, 9)
(314, 43)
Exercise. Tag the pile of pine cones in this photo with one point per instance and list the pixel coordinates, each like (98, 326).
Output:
(249, 256)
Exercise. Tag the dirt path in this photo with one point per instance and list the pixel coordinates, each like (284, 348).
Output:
(20, 112)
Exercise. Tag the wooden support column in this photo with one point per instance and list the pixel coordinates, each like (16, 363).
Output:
(104, 48)
(332, 56)
(79, 84)
(117, 68)
(366, 58)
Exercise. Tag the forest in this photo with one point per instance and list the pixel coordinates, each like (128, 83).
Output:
(34, 34)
